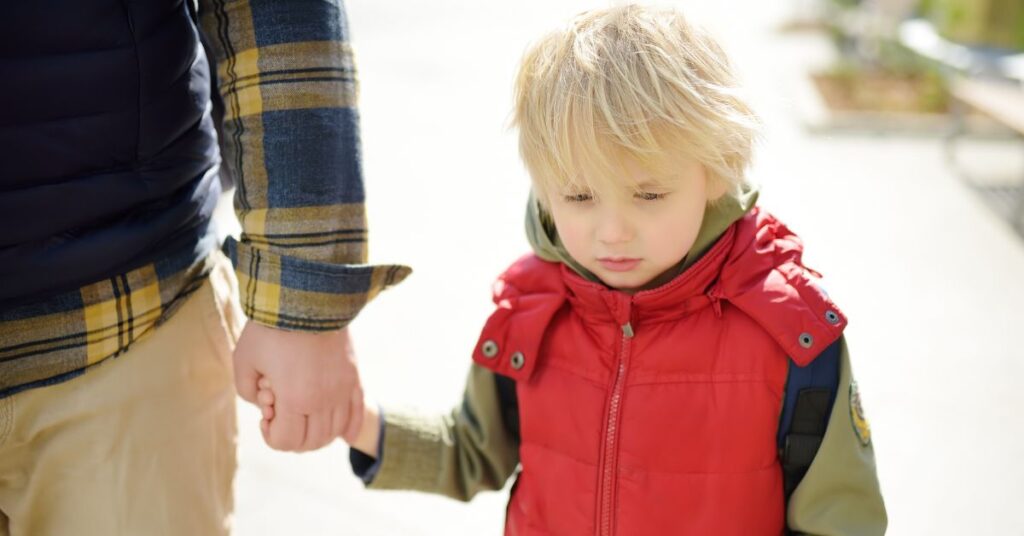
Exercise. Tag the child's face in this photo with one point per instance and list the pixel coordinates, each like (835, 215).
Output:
(629, 239)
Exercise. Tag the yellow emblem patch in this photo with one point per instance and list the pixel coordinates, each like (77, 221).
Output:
(860, 422)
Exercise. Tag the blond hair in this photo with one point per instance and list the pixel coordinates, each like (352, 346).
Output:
(633, 82)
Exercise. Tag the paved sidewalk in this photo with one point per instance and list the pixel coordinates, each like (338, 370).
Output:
(932, 280)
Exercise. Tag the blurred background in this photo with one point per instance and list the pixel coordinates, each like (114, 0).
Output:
(892, 145)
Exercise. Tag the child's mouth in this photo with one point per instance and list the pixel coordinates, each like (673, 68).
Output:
(618, 264)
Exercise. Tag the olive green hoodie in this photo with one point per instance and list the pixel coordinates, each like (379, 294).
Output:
(473, 449)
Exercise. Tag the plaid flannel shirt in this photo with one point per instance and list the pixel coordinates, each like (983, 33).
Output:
(290, 138)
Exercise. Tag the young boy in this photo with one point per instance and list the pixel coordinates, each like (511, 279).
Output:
(663, 363)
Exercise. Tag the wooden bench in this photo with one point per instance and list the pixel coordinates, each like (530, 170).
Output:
(1003, 102)
(978, 79)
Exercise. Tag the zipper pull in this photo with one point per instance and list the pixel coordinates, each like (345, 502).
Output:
(715, 295)
(627, 330)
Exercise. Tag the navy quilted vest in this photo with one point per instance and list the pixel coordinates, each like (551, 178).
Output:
(108, 154)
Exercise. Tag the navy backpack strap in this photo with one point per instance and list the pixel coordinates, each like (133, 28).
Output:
(509, 404)
(810, 393)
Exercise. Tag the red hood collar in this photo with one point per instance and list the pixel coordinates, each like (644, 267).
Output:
(755, 266)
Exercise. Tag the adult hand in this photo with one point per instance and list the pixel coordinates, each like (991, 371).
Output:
(315, 382)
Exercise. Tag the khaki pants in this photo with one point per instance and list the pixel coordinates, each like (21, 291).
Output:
(142, 444)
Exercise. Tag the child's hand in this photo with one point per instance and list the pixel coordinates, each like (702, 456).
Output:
(265, 401)
(366, 439)
(289, 428)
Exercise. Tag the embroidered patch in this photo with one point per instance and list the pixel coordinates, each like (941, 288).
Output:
(860, 423)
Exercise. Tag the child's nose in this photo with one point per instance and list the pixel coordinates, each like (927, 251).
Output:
(614, 228)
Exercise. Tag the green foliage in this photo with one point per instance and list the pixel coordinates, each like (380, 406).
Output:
(846, 4)
(994, 23)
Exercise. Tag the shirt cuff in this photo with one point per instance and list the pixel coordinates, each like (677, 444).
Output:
(363, 465)
(298, 294)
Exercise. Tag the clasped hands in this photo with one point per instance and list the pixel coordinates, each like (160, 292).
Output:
(317, 394)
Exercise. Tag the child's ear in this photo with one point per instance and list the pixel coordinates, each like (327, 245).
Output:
(716, 188)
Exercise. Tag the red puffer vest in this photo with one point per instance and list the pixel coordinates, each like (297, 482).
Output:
(656, 413)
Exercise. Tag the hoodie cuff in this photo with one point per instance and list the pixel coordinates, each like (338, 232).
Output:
(363, 465)
(411, 452)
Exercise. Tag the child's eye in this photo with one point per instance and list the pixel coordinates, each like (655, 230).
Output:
(578, 198)
(649, 196)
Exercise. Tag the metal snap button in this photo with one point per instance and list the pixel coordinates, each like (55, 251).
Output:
(831, 317)
(806, 340)
(489, 348)
(518, 360)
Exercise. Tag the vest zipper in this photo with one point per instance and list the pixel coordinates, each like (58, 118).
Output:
(609, 464)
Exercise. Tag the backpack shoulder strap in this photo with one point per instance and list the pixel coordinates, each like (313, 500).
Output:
(810, 394)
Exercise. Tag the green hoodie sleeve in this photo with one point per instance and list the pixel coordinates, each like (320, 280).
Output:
(458, 454)
(840, 495)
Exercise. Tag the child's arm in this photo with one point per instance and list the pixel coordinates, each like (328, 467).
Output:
(840, 495)
(459, 454)
(367, 439)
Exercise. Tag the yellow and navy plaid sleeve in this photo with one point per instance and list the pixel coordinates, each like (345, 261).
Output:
(290, 138)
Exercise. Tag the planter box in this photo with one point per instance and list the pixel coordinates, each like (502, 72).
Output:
(824, 112)
(883, 92)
